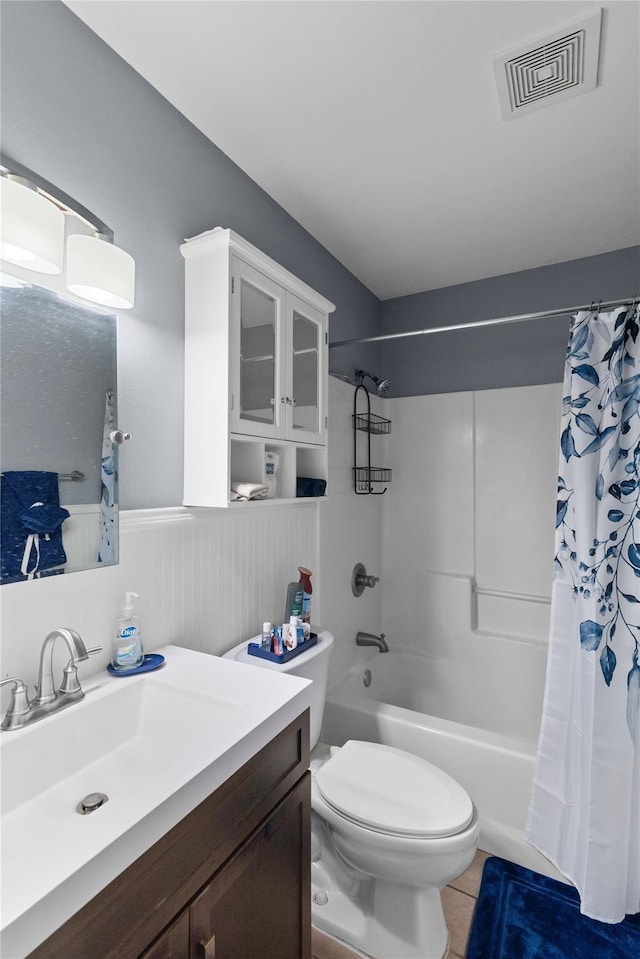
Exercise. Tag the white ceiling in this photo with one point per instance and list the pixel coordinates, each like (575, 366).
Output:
(377, 125)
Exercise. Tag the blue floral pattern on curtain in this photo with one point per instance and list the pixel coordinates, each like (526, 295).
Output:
(108, 528)
(601, 420)
(584, 813)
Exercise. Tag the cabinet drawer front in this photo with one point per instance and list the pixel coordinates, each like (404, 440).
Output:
(121, 921)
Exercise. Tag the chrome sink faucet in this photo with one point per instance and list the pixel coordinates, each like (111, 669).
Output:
(21, 712)
(369, 639)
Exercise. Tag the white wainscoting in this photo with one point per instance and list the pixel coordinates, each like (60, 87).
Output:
(207, 579)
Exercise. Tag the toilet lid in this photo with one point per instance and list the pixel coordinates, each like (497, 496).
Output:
(392, 791)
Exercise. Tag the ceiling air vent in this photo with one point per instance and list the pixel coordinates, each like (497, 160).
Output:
(547, 71)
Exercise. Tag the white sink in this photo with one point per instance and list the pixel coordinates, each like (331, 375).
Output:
(117, 740)
(156, 744)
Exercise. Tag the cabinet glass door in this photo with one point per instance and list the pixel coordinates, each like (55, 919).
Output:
(307, 359)
(259, 301)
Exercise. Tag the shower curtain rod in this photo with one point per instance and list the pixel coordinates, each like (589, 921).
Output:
(492, 322)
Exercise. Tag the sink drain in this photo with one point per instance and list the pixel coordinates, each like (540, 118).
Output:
(91, 802)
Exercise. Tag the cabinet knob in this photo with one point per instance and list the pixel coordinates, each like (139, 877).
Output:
(208, 948)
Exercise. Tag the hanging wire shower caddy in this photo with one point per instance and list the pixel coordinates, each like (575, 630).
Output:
(364, 477)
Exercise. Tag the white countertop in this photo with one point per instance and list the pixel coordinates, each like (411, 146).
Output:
(155, 765)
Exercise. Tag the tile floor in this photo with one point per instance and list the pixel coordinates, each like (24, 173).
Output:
(458, 899)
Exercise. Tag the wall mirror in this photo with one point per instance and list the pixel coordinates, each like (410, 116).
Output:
(58, 414)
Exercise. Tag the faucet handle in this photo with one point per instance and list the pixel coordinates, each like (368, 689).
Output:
(70, 682)
(18, 704)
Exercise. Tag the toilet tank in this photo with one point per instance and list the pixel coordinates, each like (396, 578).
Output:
(312, 664)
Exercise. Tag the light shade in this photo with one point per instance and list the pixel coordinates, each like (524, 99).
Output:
(100, 272)
(31, 228)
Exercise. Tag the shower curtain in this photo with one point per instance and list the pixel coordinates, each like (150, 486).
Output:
(585, 805)
(107, 534)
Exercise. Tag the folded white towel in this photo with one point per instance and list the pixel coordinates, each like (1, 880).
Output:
(246, 491)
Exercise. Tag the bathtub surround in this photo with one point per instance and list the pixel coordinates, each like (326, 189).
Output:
(585, 809)
(466, 555)
(487, 460)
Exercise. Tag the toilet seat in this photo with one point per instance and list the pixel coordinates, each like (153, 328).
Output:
(392, 791)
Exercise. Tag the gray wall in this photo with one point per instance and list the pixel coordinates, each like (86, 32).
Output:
(519, 354)
(77, 114)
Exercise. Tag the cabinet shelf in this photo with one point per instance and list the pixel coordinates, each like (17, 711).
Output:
(257, 359)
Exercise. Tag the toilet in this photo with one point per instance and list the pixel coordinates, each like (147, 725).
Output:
(389, 829)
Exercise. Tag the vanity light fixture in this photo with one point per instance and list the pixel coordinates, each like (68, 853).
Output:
(32, 227)
(34, 219)
(99, 271)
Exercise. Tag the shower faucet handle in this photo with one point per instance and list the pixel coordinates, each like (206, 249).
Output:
(360, 579)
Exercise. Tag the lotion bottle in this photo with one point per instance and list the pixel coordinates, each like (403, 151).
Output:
(127, 648)
(290, 633)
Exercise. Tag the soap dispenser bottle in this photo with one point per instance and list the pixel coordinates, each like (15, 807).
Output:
(127, 648)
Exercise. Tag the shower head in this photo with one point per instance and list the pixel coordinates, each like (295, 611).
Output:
(382, 386)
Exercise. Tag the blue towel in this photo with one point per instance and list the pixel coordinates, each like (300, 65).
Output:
(31, 521)
(310, 486)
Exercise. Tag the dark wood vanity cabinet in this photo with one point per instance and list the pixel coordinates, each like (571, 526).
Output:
(173, 942)
(230, 881)
(246, 910)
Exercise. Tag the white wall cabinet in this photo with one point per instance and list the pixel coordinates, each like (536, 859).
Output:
(256, 372)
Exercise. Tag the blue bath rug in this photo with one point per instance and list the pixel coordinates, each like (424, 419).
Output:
(523, 915)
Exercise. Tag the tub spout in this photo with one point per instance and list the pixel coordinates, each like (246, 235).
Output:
(369, 639)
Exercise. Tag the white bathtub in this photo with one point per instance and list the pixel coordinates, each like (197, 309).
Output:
(397, 709)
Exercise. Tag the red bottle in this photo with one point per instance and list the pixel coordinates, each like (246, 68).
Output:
(305, 582)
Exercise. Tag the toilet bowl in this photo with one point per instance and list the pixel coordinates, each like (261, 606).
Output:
(389, 829)
(401, 828)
